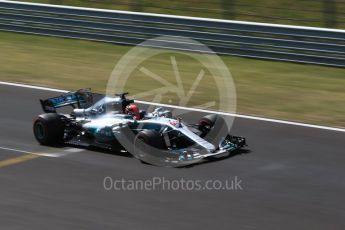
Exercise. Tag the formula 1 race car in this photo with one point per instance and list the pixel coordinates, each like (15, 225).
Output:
(114, 122)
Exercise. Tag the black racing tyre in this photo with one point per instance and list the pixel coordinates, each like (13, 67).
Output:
(146, 143)
(206, 123)
(49, 129)
(151, 138)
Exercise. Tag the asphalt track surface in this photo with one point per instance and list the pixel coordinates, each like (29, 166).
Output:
(292, 178)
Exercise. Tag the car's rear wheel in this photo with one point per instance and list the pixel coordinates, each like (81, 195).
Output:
(49, 129)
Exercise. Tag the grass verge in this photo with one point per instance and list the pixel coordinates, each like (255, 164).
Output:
(298, 92)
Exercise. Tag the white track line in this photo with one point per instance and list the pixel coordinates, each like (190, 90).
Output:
(194, 109)
(23, 151)
(177, 17)
(46, 154)
(15, 150)
(247, 117)
(32, 87)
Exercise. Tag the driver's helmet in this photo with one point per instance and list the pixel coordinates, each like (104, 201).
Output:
(133, 110)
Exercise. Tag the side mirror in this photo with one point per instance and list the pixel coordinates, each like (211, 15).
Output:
(166, 137)
(165, 130)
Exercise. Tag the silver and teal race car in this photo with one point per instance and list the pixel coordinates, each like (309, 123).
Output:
(115, 122)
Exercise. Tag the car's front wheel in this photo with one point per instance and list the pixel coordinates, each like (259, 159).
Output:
(151, 138)
(206, 123)
(147, 145)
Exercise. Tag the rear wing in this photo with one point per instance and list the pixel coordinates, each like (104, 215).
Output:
(76, 99)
